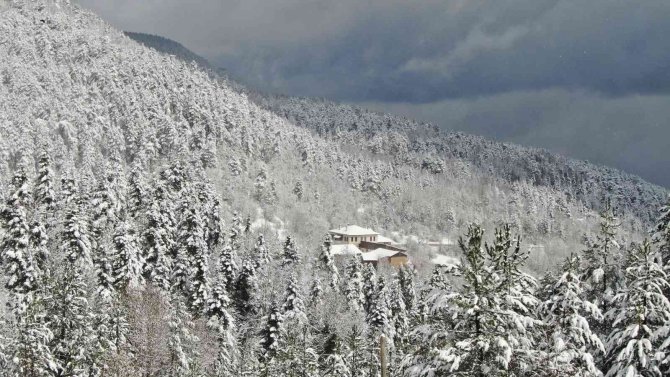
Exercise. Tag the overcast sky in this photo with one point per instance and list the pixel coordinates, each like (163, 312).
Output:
(587, 78)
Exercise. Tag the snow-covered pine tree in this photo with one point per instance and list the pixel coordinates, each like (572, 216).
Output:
(103, 218)
(516, 297)
(77, 240)
(315, 292)
(438, 279)
(399, 317)
(293, 307)
(158, 241)
(31, 352)
(137, 193)
(44, 185)
(334, 363)
(235, 232)
(296, 355)
(126, 260)
(39, 245)
(261, 252)
(661, 233)
(369, 287)
(182, 341)
(472, 339)
(192, 241)
(327, 264)
(638, 312)
(247, 225)
(354, 288)
(566, 313)
(70, 308)
(15, 254)
(601, 274)
(72, 322)
(227, 269)
(222, 323)
(211, 214)
(246, 288)
(290, 256)
(270, 338)
(405, 280)
(356, 349)
(378, 315)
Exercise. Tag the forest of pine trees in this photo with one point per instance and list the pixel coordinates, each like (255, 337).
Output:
(101, 280)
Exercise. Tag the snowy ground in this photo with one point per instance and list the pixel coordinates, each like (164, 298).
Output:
(444, 260)
(276, 225)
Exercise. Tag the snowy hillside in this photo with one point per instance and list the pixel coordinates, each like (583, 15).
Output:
(155, 221)
(348, 125)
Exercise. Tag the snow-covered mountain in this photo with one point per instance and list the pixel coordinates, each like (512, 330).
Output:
(158, 221)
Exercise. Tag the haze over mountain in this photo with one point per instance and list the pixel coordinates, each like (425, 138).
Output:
(588, 80)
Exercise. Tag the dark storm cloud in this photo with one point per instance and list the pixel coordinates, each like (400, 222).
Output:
(419, 51)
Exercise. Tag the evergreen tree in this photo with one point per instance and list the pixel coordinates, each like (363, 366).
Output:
(290, 256)
(399, 318)
(270, 334)
(566, 314)
(378, 315)
(406, 283)
(235, 232)
(126, 262)
(39, 244)
(158, 241)
(354, 288)
(316, 292)
(181, 343)
(515, 292)
(293, 308)
(77, 245)
(641, 310)
(15, 253)
(601, 275)
(326, 262)
(192, 241)
(438, 279)
(72, 323)
(480, 329)
(32, 355)
(334, 363)
(661, 233)
(104, 216)
(295, 356)
(356, 347)
(44, 187)
(227, 269)
(261, 252)
(246, 288)
(369, 287)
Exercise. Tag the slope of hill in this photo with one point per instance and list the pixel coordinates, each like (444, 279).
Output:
(350, 124)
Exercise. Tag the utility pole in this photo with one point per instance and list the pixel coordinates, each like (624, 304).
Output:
(382, 355)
